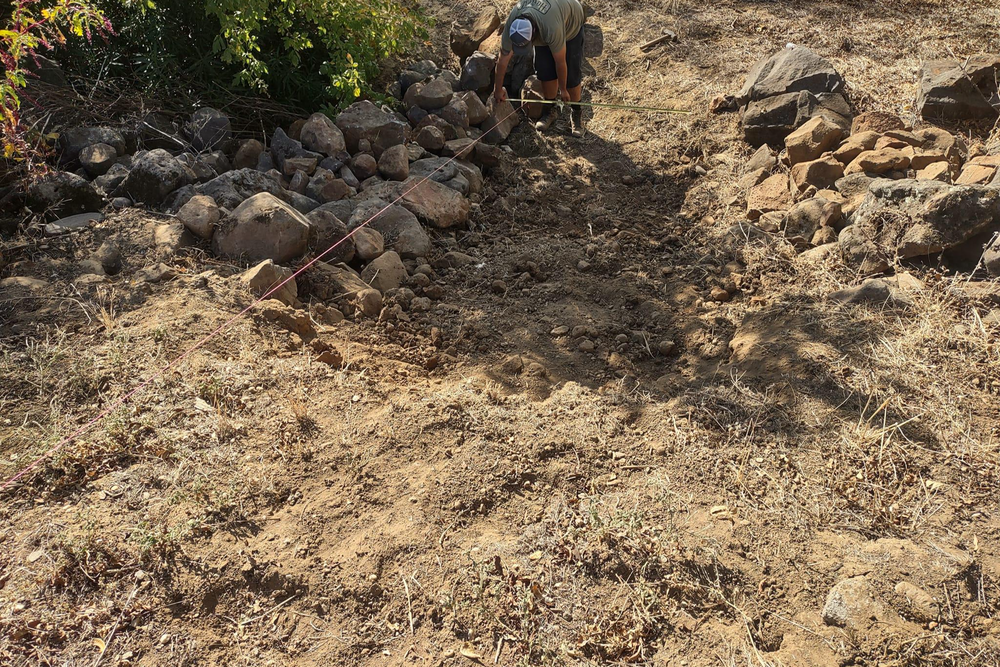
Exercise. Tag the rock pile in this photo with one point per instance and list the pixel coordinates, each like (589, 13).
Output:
(883, 191)
(308, 187)
(784, 91)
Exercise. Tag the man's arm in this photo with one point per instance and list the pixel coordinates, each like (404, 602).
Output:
(502, 61)
(562, 73)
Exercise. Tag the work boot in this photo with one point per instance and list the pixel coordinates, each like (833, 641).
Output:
(550, 114)
(577, 123)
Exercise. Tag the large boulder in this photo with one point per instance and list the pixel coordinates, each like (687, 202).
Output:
(791, 70)
(394, 165)
(953, 89)
(320, 134)
(61, 193)
(400, 229)
(432, 95)
(208, 129)
(364, 120)
(474, 107)
(434, 204)
(477, 72)
(233, 187)
(911, 218)
(262, 227)
(75, 139)
(500, 122)
(465, 39)
(154, 176)
(770, 120)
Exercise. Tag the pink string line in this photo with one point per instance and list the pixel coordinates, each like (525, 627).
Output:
(225, 325)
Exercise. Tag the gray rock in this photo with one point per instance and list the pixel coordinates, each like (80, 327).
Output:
(476, 110)
(176, 199)
(342, 209)
(409, 77)
(430, 138)
(477, 72)
(436, 168)
(952, 89)
(400, 229)
(320, 134)
(364, 166)
(208, 129)
(98, 158)
(455, 113)
(200, 215)
(155, 273)
(500, 122)
(217, 161)
(386, 272)
(154, 176)
(859, 250)
(75, 139)
(911, 218)
(433, 120)
(350, 178)
(110, 257)
(394, 164)
(791, 70)
(434, 94)
(328, 236)
(265, 162)
(248, 154)
(72, 223)
(770, 120)
(59, 194)
(284, 148)
(363, 120)
(262, 227)
(113, 179)
(368, 243)
(472, 174)
(298, 182)
(459, 184)
(874, 291)
(171, 237)
(229, 190)
(325, 187)
(434, 204)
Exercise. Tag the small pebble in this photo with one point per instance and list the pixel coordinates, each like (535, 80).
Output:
(582, 265)
(587, 345)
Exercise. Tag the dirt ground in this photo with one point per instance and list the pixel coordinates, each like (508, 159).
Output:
(575, 457)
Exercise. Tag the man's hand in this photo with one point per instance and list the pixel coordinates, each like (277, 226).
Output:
(500, 94)
(564, 96)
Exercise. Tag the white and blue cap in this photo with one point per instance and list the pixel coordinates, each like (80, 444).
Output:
(521, 33)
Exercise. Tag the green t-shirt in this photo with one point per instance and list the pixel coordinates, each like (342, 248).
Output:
(557, 21)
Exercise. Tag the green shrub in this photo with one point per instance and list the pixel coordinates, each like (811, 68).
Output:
(33, 27)
(301, 52)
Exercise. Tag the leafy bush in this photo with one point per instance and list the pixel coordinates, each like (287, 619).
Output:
(33, 26)
(302, 52)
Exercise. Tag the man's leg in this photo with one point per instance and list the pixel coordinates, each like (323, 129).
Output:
(574, 80)
(545, 68)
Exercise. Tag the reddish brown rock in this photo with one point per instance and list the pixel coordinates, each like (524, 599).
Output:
(770, 195)
(821, 173)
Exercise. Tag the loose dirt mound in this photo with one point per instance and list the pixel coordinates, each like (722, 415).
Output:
(622, 434)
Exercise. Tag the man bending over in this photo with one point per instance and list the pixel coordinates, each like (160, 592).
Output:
(554, 28)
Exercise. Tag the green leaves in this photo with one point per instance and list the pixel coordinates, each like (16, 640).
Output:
(340, 40)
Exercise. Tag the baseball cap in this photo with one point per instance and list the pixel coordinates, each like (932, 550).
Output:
(521, 33)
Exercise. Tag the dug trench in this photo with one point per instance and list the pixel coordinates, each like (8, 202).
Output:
(620, 433)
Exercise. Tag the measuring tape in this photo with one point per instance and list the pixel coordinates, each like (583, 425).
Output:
(603, 105)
